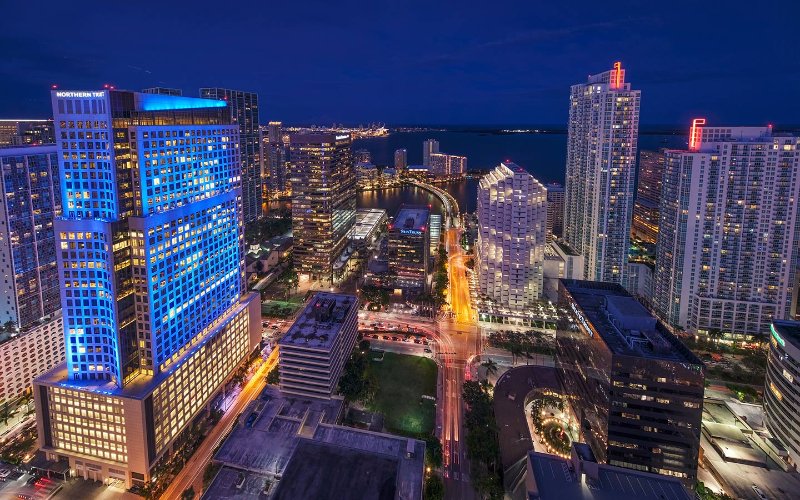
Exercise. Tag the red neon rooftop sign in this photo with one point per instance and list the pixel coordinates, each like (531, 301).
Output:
(696, 133)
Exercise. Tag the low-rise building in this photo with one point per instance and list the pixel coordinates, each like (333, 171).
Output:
(315, 348)
(368, 225)
(285, 447)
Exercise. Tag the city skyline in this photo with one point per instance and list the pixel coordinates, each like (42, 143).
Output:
(448, 77)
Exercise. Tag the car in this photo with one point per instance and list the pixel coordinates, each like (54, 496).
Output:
(386, 337)
(427, 350)
(4, 473)
(265, 324)
(32, 480)
(395, 338)
(425, 342)
(274, 327)
(417, 341)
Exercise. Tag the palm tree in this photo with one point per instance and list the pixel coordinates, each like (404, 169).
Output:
(491, 367)
(6, 412)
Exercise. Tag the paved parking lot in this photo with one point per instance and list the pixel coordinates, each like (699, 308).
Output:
(23, 484)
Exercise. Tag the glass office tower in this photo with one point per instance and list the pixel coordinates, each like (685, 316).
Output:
(149, 252)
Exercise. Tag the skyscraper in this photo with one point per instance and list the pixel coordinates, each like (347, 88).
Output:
(31, 201)
(648, 195)
(635, 390)
(150, 259)
(409, 242)
(601, 166)
(276, 159)
(429, 147)
(400, 159)
(555, 211)
(512, 215)
(323, 201)
(362, 156)
(439, 164)
(781, 406)
(244, 109)
(728, 248)
(25, 132)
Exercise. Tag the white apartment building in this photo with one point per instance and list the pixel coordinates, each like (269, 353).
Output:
(728, 249)
(28, 355)
(601, 167)
(512, 218)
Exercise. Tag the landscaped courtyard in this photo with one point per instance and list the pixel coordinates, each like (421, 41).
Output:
(403, 380)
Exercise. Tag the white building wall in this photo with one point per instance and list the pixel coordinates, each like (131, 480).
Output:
(512, 218)
(28, 355)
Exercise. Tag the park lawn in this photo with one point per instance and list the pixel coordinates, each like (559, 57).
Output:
(280, 308)
(402, 381)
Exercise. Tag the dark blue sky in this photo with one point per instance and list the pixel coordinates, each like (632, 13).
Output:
(410, 62)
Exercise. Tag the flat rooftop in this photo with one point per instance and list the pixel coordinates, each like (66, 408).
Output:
(320, 322)
(413, 218)
(625, 325)
(367, 219)
(555, 479)
(287, 447)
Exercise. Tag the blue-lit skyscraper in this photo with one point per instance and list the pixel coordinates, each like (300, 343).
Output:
(149, 252)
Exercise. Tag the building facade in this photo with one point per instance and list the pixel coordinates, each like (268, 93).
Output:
(24, 132)
(601, 167)
(728, 252)
(555, 211)
(648, 196)
(409, 248)
(782, 391)
(509, 253)
(317, 345)
(323, 182)
(31, 201)
(150, 256)
(429, 147)
(400, 159)
(243, 107)
(276, 157)
(29, 354)
(635, 391)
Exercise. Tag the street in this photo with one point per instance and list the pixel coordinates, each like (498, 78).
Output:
(192, 472)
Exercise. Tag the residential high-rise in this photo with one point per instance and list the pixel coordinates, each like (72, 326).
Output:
(244, 109)
(555, 211)
(318, 344)
(150, 258)
(457, 165)
(27, 354)
(400, 159)
(323, 201)
(781, 403)
(601, 166)
(635, 391)
(31, 201)
(429, 147)
(439, 164)
(728, 248)
(509, 253)
(25, 132)
(648, 196)
(276, 159)
(409, 242)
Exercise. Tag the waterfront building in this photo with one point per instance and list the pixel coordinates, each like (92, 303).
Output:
(601, 166)
(31, 201)
(323, 184)
(634, 389)
(369, 222)
(457, 165)
(362, 156)
(648, 196)
(314, 350)
(151, 272)
(243, 107)
(429, 147)
(439, 164)
(555, 211)
(367, 175)
(728, 251)
(400, 159)
(435, 232)
(509, 254)
(23, 132)
(163, 91)
(782, 391)
(27, 354)
(581, 476)
(409, 248)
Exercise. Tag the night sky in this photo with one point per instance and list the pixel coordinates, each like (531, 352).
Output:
(409, 62)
